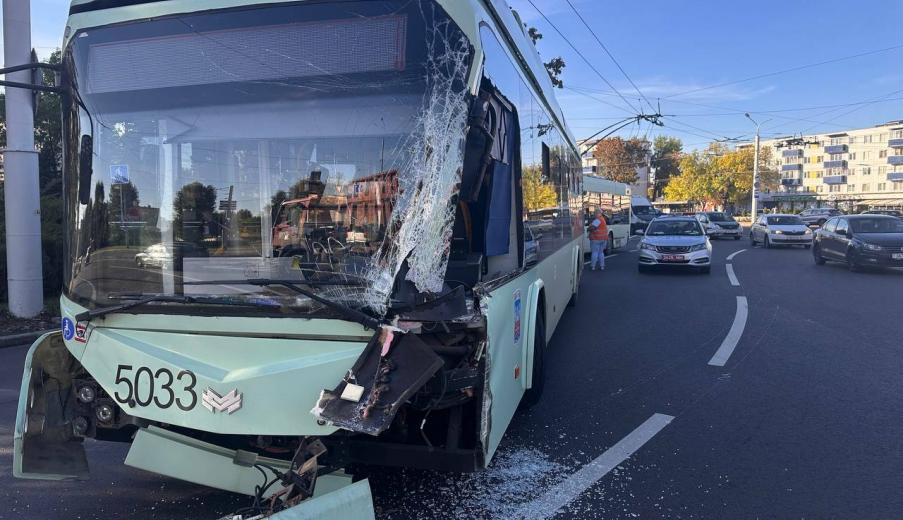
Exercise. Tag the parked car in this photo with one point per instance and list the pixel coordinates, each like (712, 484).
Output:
(818, 216)
(678, 242)
(860, 241)
(718, 224)
(889, 212)
(159, 256)
(531, 246)
(780, 230)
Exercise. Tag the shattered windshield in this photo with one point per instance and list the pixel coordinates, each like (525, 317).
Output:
(272, 142)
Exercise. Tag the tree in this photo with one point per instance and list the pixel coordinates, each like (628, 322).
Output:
(666, 158)
(537, 194)
(194, 207)
(619, 159)
(555, 66)
(720, 176)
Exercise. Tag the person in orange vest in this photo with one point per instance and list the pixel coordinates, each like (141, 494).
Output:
(598, 238)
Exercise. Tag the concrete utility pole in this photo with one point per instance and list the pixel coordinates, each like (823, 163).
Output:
(755, 187)
(23, 203)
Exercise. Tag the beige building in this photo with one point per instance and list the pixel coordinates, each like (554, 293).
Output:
(852, 170)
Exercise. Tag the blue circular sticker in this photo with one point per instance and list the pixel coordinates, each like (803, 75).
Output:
(68, 329)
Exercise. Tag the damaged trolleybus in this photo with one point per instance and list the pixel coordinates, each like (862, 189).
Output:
(296, 241)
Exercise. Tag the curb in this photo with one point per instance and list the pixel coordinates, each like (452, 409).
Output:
(22, 339)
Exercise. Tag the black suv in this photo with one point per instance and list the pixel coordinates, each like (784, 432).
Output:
(818, 216)
(860, 241)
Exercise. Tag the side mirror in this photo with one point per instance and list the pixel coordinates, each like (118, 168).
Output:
(85, 168)
(640, 232)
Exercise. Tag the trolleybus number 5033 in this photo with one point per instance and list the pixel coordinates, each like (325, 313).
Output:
(162, 387)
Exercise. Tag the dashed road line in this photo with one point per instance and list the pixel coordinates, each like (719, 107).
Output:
(731, 276)
(559, 496)
(733, 336)
(735, 253)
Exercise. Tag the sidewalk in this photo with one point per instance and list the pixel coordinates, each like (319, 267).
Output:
(20, 331)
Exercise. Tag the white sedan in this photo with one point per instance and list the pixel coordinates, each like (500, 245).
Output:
(780, 230)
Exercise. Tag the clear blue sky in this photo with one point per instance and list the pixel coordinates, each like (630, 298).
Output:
(669, 47)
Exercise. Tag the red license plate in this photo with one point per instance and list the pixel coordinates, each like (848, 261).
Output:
(673, 258)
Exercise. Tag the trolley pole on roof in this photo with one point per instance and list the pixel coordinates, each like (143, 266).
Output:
(22, 200)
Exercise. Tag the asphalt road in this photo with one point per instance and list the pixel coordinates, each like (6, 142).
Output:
(801, 422)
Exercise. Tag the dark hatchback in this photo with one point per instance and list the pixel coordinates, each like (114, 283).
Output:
(860, 241)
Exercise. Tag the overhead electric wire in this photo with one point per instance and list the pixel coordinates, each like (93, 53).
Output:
(588, 63)
(784, 71)
(604, 48)
(603, 102)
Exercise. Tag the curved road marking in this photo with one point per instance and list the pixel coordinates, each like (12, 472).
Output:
(733, 336)
(559, 496)
(731, 276)
(735, 253)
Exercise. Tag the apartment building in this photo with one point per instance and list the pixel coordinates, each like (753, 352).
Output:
(852, 170)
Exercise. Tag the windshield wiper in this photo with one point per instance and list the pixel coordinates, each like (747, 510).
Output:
(352, 314)
(141, 299)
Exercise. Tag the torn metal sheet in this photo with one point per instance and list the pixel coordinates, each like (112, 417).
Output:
(390, 369)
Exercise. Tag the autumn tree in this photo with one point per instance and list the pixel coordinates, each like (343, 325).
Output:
(620, 158)
(537, 194)
(666, 153)
(720, 176)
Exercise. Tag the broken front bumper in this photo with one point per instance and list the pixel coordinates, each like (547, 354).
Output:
(47, 448)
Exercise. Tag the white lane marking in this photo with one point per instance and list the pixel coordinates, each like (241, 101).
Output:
(733, 336)
(731, 276)
(557, 497)
(735, 253)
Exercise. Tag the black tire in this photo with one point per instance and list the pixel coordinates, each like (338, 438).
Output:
(767, 243)
(534, 393)
(737, 237)
(853, 262)
(807, 246)
(610, 245)
(752, 239)
(816, 255)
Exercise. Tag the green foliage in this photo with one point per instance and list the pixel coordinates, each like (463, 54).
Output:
(666, 153)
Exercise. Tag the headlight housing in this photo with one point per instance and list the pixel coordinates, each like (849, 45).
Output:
(808, 231)
(871, 247)
(648, 247)
(776, 232)
(697, 247)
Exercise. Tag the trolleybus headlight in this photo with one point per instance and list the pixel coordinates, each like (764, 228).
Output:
(104, 413)
(86, 394)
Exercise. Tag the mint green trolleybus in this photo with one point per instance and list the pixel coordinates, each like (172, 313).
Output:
(297, 241)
